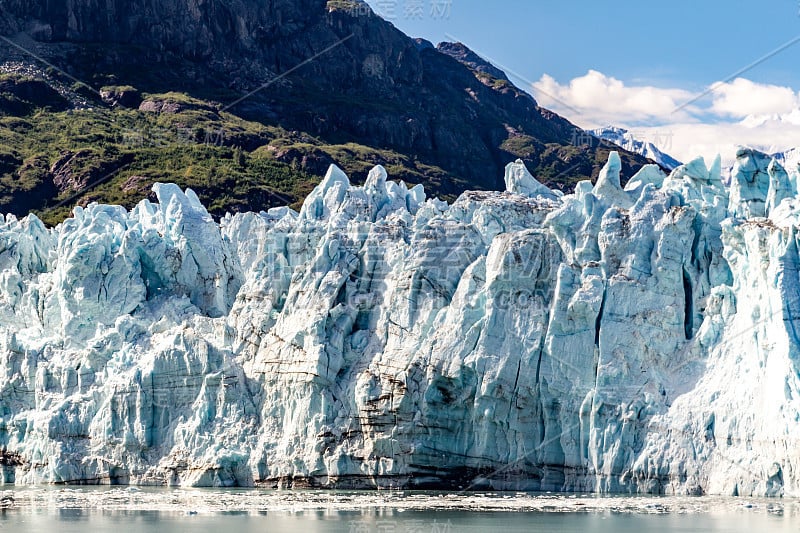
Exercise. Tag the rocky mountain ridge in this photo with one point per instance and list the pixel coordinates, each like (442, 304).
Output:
(324, 73)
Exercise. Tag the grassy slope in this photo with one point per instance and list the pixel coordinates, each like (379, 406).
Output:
(54, 154)
(114, 155)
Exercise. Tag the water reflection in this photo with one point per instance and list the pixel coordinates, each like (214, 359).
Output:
(72, 515)
(85, 521)
(174, 511)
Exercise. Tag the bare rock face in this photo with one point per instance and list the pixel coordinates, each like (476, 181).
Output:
(62, 171)
(192, 27)
(20, 95)
(464, 55)
(121, 96)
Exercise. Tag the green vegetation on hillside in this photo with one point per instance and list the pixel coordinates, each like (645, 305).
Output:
(53, 159)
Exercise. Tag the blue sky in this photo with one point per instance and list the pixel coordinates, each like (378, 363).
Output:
(634, 62)
(691, 43)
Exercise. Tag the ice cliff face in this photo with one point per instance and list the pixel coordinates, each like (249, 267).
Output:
(639, 339)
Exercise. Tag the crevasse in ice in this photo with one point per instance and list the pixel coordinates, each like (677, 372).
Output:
(636, 339)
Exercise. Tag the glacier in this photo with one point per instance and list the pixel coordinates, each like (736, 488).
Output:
(636, 339)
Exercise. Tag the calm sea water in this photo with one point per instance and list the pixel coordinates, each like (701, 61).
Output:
(144, 511)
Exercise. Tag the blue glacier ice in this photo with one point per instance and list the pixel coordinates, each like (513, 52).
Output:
(639, 339)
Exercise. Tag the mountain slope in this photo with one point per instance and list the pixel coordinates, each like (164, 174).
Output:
(321, 81)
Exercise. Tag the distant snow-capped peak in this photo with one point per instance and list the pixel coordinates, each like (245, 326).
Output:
(647, 147)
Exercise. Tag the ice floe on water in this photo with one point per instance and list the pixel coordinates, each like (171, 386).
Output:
(210, 501)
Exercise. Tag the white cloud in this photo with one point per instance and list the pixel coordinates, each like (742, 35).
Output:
(733, 114)
(743, 97)
(686, 141)
(602, 100)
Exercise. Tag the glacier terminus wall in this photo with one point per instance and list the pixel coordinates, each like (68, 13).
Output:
(622, 340)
